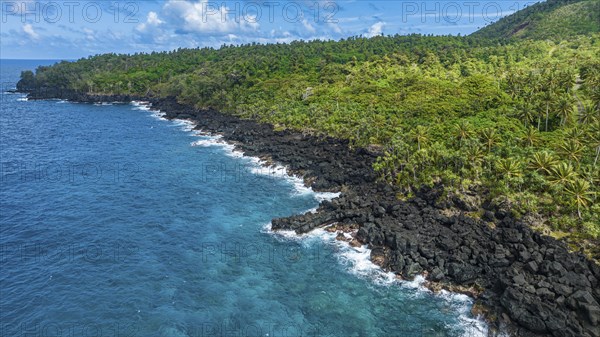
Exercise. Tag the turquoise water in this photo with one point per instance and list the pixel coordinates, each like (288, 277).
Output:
(115, 222)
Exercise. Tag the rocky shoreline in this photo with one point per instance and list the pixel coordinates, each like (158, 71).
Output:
(524, 282)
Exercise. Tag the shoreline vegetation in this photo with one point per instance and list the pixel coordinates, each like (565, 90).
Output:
(509, 114)
(473, 160)
(493, 121)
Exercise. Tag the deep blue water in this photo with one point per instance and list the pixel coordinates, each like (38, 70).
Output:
(113, 224)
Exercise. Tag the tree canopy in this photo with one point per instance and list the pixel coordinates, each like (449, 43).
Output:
(508, 120)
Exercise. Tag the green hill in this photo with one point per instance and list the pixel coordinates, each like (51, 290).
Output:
(552, 19)
(509, 114)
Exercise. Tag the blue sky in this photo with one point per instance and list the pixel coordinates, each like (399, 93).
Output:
(32, 29)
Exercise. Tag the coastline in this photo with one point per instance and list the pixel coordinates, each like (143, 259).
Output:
(354, 256)
(526, 282)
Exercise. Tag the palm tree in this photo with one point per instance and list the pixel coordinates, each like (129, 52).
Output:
(564, 108)
(422, 160)
(490, 138)
(576, 134)
(475, 157)
(463, 131)
(572, 149)
(567, 80)
(543, 162)
(579, 190)
(595, 139)
(531, 136)
(526, 113)
(595, 96)
(509, 169)
(562, 174)
(547, 97)
(591, 174)
(420, 134)
(515, 82)
(589, 114)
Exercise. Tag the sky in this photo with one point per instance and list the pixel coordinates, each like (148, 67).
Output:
(71, 29)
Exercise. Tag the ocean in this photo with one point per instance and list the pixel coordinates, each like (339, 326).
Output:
(117, 222)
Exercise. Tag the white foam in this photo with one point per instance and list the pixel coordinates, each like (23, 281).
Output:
(257, 166)
(312, 210)
(203, 143)
(471, 326)
(22, 99)
(186, 125)
(236, 154)
(357, 261)
(158, 115)
(273, 171)
(200, 133)
(322, 196)
(147, 106)
(141, 105)
(418, 283)
(142, 108)
(208, 141)
(281, 172)
(282, 234)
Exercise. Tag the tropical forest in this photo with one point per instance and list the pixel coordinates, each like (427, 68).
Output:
(509, 114)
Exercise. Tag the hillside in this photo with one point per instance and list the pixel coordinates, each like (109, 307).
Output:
(509, 115)
(552, 19)
(508, 123)
(478, 144)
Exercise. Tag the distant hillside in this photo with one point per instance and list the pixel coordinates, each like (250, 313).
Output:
(552, 19)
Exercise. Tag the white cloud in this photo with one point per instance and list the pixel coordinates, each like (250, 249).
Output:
(89, 34)
(376, 29)
(335, 27)
(151, 21)
(308, 26)
(28, 29)
(207, 17)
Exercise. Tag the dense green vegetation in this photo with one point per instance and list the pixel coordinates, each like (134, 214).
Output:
(551, 19)
(514, 122)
